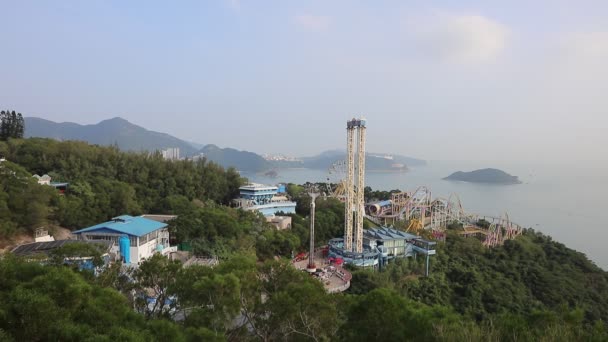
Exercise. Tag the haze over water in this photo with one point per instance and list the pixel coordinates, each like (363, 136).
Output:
(565, 201)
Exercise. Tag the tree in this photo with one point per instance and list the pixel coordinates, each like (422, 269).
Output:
(78, 250)
(12, 125)
(288, 305)
(155, 279)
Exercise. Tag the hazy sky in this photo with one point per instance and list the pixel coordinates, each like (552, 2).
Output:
(483, 80)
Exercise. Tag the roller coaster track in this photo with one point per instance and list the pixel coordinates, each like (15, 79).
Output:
(421, 211)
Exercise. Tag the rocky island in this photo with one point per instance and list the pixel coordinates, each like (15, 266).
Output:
(490, 176)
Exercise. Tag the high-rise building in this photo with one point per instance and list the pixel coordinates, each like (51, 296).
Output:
(171, 153)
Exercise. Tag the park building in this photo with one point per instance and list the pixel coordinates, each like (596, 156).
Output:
(380, 246)
(136, 238)
(46, 180)
(266, 199)
(43, 180)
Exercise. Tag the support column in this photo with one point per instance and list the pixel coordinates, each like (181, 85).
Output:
(348, 212)
(360, 197)
(311, 253)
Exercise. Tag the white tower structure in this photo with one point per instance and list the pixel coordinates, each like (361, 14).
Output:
(313, 192)
(355, 185)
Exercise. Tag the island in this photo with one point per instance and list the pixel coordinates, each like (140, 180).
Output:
(489, 176)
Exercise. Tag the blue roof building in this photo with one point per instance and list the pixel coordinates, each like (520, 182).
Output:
(382, 244)
(137, 237)
(264, 199)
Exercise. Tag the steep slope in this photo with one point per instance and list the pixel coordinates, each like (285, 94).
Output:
(127, 136)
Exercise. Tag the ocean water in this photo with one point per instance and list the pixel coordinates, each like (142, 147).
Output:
(563, 201)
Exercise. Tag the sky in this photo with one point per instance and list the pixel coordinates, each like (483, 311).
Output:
(439, 80)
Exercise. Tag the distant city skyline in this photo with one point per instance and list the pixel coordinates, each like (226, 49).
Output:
(447, 80)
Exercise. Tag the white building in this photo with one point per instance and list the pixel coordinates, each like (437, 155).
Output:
(146, 236)
(171, 153)
(43, 180)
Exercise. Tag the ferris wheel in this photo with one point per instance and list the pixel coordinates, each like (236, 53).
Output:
(336, 180)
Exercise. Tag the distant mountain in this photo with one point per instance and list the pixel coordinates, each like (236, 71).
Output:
(127, 136)
(196, 145)
(373, 161)
(130, 137)
(240, 160)
(493, 176)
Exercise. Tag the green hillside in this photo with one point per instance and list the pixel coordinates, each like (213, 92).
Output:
(104, 182)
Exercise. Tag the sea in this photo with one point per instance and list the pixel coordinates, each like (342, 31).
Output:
(563, 201)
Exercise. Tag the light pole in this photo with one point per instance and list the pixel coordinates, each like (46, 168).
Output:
(313, 192)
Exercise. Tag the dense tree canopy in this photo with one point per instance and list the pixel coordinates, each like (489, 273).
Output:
(244, 300)
(103, 183)
(24, 205)
(11, 125)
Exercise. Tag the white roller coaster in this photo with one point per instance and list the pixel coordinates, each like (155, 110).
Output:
(421, 211)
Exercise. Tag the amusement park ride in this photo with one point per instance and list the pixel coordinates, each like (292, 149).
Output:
(421, 211)
(355, 184)
(336, 180)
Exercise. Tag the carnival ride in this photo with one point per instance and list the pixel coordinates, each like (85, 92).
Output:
(415, 225)
(336, 180)
(421, 211)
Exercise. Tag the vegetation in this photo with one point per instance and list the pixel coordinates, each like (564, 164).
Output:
(242, 300)
(529, 289)
(11, 125)
(103, 183)
(378, 195)
(24, 204)
(525, 276)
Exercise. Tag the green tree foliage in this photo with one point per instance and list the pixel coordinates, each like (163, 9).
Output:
(50, 303)
(214, 230)
(24, 204)
(245, 300)
(104, 183)
(377, 195)
(155, 278)
(77, 250)
(11, 125)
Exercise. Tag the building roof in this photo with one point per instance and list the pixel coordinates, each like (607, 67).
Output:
(48, 246)
(125, 224)
(258, 187)
(159, 218)
(385, 233)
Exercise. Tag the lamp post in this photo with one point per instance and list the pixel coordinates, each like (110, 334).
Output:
(313, 192)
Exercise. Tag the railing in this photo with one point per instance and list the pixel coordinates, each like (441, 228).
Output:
(339, 288)
(169, 250)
